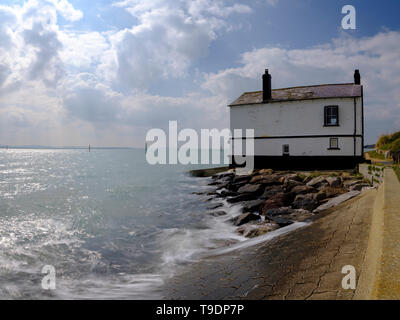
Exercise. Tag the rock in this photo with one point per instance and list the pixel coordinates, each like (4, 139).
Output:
(218, 213)
(331, 192)
(245, 218)
(305, 202)
(338, 200)
(334, 181)
(240, 178)
(271, 191)
(300, 215)
(317, 182)
(252, 188)
(252, 231)
(281, 222)
(256, 179)
(226, 175)
(359, 186)
(253, 206)
(289, 184)
(321, 195)
(277, 201)
(302, 189)
(242, 197)
(295, 177)
(215, 206)
(270, 180)
(236, 186)
(278, 211)
(266, 171)
(226, 193)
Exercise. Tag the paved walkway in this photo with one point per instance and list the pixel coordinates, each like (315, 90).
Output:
(388, 279)
(305, 264)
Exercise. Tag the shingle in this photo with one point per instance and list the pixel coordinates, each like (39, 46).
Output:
(302, 93)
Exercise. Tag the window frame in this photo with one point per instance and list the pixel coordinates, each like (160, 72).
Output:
(331, 147)
(284, 146)
(326, 109)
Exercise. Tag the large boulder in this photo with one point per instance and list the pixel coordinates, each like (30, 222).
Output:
(359, 186)
(240, 178)
(278, 211)
(255, 230)
(271, 191)
(300, 215)
(317, 182)
(227, 193)
(242, 197)
(245, 218)
(251, 188)
(331, 191)
(277, 201)
(270, 180)
(302, 189)
(289, 184)
(319, 196)
(294, 176)
(252, 206)
(334, 182)
(281, 222)
(306, 202)
(266, 171)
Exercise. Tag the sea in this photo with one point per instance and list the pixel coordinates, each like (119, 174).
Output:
(111, 225)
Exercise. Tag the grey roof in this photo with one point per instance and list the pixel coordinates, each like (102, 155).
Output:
(346, 90)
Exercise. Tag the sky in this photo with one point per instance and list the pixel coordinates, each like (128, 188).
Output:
(74, 72)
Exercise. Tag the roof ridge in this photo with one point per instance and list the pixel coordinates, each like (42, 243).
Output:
(309, 86)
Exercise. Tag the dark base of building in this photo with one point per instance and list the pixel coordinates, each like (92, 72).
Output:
(304, 162)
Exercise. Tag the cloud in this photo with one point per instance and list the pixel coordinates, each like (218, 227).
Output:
(169, 38)
(377, 57)
(66, 10)
(46, 65)
(64, 86)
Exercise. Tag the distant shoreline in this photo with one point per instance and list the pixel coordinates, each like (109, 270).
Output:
(63, 148)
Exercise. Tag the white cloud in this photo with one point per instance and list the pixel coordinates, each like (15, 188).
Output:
(66, 10)
(377, 57)
(61, 86)
(169, 38)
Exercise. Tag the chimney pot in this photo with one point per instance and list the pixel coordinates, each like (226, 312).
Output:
(357, 77)
(267, 91)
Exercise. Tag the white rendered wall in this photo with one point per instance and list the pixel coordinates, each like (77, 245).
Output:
(300, 118)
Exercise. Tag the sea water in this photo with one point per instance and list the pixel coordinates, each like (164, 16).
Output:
(113, 226)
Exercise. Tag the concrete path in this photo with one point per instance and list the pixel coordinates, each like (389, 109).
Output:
(387, 283)
(305, 264)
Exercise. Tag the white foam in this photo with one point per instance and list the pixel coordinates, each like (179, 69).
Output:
(260, 239)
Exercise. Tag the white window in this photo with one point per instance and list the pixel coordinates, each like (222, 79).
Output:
(331, 116)
(333, 143)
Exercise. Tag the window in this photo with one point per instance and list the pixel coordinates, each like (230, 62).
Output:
(285, 149)
(334, 143)
(331, 116)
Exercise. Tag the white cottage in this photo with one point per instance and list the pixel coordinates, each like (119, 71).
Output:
(319, 126)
